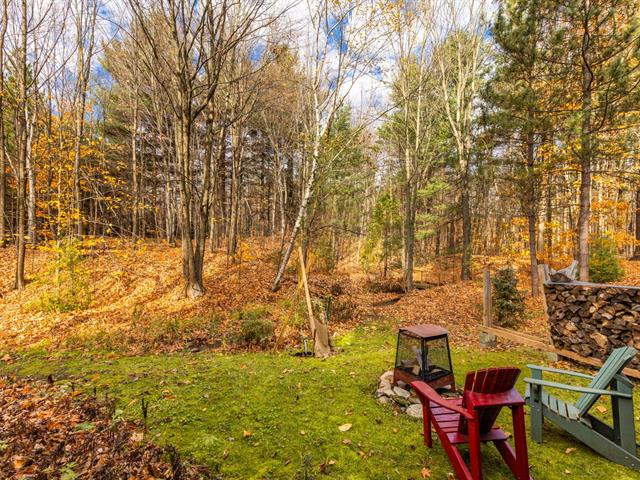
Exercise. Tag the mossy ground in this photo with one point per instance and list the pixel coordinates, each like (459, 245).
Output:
(276, 416)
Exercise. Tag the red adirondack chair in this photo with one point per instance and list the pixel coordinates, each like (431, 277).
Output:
(470, 420)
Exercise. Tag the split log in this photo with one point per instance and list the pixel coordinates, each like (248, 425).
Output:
(593, 319)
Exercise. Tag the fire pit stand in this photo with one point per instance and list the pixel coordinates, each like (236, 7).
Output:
(423, 354)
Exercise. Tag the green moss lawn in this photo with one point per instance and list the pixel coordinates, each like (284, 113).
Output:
(276, 416)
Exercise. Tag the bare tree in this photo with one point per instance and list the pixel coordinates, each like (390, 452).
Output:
(35, 35)
(84, 14)
(198, 37)
(460, 60)
(3, 161)
(410, 31)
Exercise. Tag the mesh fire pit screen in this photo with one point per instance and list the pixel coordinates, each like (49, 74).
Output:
(423, 354)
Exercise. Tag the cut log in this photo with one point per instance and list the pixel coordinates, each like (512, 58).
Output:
(591, 319)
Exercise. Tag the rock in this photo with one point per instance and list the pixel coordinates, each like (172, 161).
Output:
(384, 400)
(415, 400)
(403, 402)
(388, 392)
(401, 384)
(384, 385)
(487, 340)
(571, 327)
(414, 410)
(401, 392)
(387, 377)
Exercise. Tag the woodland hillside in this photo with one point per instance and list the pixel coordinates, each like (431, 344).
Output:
(216, 214)
(130, 299)
(146, 309)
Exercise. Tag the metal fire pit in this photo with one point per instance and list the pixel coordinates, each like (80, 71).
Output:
(423, 354)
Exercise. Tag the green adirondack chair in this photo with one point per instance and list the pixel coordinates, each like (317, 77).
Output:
(617, 442)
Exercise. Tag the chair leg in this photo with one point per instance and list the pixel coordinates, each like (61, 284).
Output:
(520, 440)
(426, 419)
(623, 419)
(536, 413)
(475, 458)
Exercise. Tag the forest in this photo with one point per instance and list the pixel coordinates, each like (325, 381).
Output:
(392, 133)
(220, 182)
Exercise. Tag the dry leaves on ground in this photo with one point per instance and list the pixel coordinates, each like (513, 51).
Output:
(50, 431)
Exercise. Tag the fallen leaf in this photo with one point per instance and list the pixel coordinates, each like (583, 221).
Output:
(346, 441)
(246, 433)
(425, 472)
(18, 462)
(569, 450)
(137, 436)
(601, 409)
(344, 428)
(302, 432)
(567, 472)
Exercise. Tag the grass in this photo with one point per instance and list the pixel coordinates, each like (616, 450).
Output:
(276, 416)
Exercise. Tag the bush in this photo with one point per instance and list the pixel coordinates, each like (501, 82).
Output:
(255, 327)
(508, 302)
(604, 265)
(71, 288)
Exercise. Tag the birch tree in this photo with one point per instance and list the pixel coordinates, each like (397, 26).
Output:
(340, 49)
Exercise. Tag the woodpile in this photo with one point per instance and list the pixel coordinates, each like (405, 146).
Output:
(592, 319)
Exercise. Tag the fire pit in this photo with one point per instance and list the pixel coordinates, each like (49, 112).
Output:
(423, 354)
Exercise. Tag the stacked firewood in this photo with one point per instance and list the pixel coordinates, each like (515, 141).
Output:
(592, 319)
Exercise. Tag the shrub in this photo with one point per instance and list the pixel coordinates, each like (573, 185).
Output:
(604, 265)
(255, 327)
(508, 302)
(71, 289)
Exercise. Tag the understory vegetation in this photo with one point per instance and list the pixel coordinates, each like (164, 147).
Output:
(508, 301)
(604, 264)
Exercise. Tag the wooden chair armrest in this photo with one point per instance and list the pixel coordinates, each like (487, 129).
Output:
(574, 388)
(425, 392)
(557, 370)
(503, 399)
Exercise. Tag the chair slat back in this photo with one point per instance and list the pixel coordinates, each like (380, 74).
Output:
(616, 362)
(490, 380)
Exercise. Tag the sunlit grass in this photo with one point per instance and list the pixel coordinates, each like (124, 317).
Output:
(276, 416)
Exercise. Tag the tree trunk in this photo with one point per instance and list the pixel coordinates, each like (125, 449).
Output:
(409, 233)
(236, 185)
(318, 326)
(532, 216)
(636, 251)
(585, 161)
(85, 29)
(302, 211)
(191, 262)
(134, 172)
(3, 160)
(21, 180)
(465, 271)
(31, 179)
